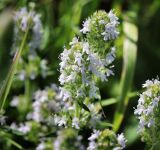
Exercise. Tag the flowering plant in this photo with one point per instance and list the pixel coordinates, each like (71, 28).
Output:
(148, 113)
(58, 100)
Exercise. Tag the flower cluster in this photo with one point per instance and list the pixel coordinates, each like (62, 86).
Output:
(67, 137)
(45, 103)
(99, 29)
(30, 65)
(85, 63)
(106, 140)
(147, 111)
(34, 67)
(28, 20)
(39, 122)
(23, 127)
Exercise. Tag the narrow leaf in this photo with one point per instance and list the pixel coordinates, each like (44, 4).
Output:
(83, 106)
(129, 61)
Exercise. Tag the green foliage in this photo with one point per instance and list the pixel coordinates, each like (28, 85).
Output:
(129, 61)
(138, 48)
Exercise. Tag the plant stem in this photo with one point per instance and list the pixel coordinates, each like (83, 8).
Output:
(8, 82)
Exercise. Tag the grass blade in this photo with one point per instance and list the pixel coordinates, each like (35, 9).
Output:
(129, 61)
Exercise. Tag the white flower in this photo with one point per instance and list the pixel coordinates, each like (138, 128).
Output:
(74, 41)
(93, 91)
(62, 121)
(140, 109)
(86, 26)
(149, 120)
(23, 16)
(121, 140)
(147, 104)
(65, 55)
(41, 99)
(83, 65)
(112, 16)
(86, 47)
(94, 135)
(41, 146)
(41, 95)
(62, 78)
(64, 94)
(148, 93)
(57, 144)
(141, 99)
(156, 82)
(36, 114)
(75, 123)
(155, 102)
(71, 77)
(102, 22)
(111, 32)
(150, 123)
(15, 101)
(56, 119)
(92, 146)
(149, 110)
(78, 58)
(22, 75)
(142, 123)
(37, 32)
(97, 66)
(24, 128)
(110, 56)
(148, 83)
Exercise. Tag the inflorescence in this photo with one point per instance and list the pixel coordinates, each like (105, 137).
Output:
(87, 62)
(147, 112)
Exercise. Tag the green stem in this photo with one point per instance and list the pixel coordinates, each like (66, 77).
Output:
(8, 82)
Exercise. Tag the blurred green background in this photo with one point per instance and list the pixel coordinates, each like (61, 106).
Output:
(62, 19)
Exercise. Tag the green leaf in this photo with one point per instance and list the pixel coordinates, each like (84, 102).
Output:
(8, 137)
(83, 106)
(108, 102)
(129, 61)
(105, 124)
(15, 143)
(111, 101)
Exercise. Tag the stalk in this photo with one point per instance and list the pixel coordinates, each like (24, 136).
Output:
(9, 79)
